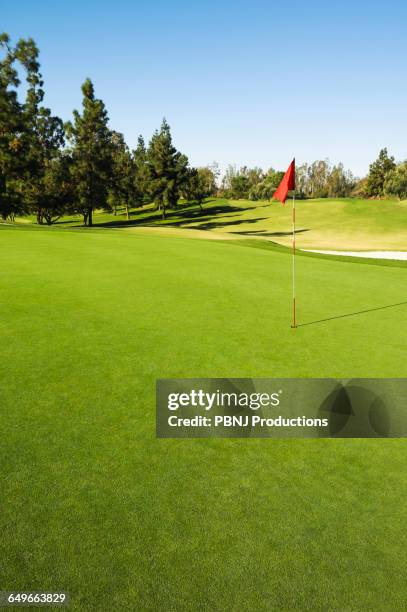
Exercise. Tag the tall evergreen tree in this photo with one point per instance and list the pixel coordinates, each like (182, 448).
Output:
(142, 171)
(43, 133)
(12, 131)
(30, 135)
(378, 172)
(45, 142)
(168, 169)
(123, 173)
(57, 190)
(91, 154)
(9, 111)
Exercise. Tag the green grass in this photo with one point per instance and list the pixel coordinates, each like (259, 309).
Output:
(94, 504)
(338, 224)
(341, 224)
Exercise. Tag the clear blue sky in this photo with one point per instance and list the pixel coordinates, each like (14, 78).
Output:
(240, 82)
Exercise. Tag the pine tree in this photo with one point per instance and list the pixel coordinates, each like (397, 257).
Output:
(168, 169)
(12, 133)
(142, 175)
(44, 145)
(378, 173)
(57, 192)
(30, 135)
(91, 154)
(123, 173)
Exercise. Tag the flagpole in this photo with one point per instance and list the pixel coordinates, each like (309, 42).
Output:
(293, 258)
(287, 184)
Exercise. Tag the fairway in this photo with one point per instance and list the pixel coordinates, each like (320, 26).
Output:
(94, 504)
(336, 224)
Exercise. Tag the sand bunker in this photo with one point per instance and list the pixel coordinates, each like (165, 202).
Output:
(400, 255)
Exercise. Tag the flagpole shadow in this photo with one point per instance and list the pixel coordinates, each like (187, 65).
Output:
(352, 314)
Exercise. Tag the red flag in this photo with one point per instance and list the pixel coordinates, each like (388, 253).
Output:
(287, 183)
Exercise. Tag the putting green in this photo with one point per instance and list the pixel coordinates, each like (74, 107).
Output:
(93, 504)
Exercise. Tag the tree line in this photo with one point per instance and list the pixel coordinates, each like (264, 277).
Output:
(320, 179)
(49, 168)
(316, 180)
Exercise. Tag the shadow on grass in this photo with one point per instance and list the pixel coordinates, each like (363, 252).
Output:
(178, 218)
(67, 221)
(352, 314)
(209, 224)
(270, 234)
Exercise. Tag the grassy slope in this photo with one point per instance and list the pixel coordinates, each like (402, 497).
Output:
(323, 224)
(94, 504)
(337, 224)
